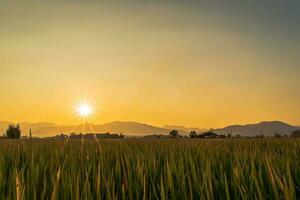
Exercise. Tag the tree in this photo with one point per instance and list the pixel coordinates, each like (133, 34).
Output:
(260, 136)
(208, 134)
(193, 134)
(13, 131)
(296, 133)
(277, 135)
(173, 133)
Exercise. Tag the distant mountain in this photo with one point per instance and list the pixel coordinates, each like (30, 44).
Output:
(132, 128)
(43, 129)
(25, 126)
(126, 128)
(267, 128)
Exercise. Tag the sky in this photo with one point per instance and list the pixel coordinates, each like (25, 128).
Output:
(192, 63)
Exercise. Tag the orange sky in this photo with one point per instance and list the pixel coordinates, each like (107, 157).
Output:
(161, 64)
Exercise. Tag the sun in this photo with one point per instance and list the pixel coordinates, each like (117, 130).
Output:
(84, 110)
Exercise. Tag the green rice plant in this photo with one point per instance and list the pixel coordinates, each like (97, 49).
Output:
(150, 169)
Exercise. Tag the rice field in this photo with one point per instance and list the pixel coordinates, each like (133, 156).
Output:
(150, 169)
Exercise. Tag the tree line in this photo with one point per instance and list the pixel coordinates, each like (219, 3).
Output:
(212, 134)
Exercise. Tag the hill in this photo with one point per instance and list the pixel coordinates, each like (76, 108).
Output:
(124, 127)
(132, 128)
(267, 128)
(43, 129)
(25, 126)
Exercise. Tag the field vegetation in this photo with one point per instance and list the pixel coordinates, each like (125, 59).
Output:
(150, 169)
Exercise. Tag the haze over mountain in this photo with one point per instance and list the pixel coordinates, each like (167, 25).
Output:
(43, 129)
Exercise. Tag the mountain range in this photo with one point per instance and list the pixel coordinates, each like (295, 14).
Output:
(42, 129)
(267, 128)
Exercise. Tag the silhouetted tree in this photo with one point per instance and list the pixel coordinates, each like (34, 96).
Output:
(173, 133)
(296, 133)
(260, 136)
(277, 135)
(13, 131)
(208, 134)
(193, 134)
